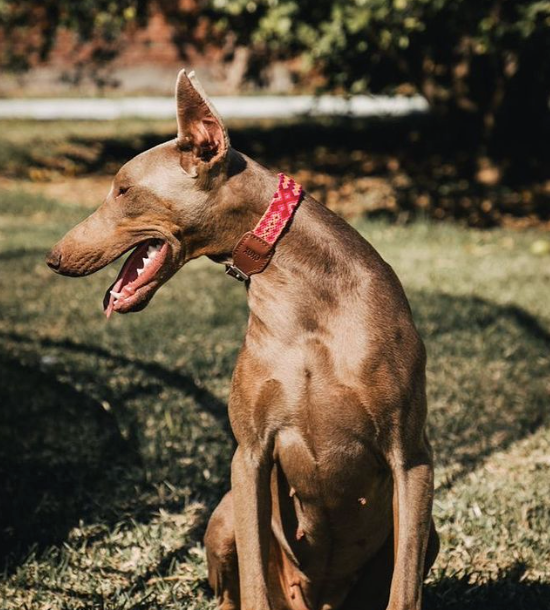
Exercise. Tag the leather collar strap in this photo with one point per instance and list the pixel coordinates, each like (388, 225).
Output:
(255, 248)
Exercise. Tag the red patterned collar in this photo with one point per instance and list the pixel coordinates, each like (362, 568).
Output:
(255, 248)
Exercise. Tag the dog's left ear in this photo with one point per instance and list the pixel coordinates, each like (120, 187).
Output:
(202, 137)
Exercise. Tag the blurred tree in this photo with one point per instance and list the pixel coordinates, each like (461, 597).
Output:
(488, 60)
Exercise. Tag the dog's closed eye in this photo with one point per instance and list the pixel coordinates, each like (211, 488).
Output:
(122, 190)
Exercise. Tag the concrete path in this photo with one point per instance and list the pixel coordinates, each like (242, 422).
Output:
(230, 107)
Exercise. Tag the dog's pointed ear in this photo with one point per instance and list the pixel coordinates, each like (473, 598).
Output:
(202, 137)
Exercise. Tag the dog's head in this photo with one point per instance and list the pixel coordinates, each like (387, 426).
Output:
(162, 205)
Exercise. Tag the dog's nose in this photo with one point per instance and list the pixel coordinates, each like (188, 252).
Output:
(53, 260)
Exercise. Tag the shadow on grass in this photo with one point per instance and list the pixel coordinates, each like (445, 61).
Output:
(432, 166)
(507, 592)
(64, 457)
(165, 376)
(61, 455)
(487, 377)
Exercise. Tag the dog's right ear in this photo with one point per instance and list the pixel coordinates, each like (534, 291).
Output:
(202, 137)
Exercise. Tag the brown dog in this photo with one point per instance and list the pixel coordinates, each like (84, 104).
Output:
(332, 480)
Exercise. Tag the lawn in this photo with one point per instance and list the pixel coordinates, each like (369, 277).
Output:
(114, 440)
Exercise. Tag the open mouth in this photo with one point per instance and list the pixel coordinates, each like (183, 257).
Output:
(138, 279)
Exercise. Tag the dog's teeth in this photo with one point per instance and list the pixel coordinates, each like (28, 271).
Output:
(117, 295)
(146, 261)
(140, 271)
(152, 251)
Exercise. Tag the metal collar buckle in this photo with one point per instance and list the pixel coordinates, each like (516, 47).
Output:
(235, 272)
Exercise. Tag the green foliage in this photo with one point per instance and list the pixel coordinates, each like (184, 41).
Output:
(489, 58)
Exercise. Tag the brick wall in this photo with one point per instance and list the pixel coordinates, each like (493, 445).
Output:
(147, 63)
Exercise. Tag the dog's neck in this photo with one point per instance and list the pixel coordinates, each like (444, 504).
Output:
(307, 270)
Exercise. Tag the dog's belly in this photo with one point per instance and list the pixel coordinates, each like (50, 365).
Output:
(333, 502)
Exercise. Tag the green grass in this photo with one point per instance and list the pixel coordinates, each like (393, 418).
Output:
(114, 441)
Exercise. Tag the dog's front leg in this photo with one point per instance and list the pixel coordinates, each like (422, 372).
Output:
(413, 487)
(250, 482)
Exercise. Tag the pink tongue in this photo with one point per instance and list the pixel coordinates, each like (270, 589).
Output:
(127, 275)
